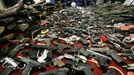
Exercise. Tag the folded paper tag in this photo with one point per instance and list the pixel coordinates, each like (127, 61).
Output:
(59, 63)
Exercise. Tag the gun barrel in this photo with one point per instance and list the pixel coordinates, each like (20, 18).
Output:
(44, 47)
(15, 50)
(28, 61)
(96, 53)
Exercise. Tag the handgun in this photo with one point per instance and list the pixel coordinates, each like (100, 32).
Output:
(9, 65)
(60, 71)
(30, 65)
(80, 68)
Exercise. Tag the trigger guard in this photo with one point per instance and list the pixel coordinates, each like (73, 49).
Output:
(22, 67)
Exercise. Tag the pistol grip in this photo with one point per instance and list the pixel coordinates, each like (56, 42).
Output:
(7, 71)
(103, 62)
(62, 71)
(88, 71)
(27, 70)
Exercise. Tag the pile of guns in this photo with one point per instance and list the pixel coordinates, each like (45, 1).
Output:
(68, 40)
